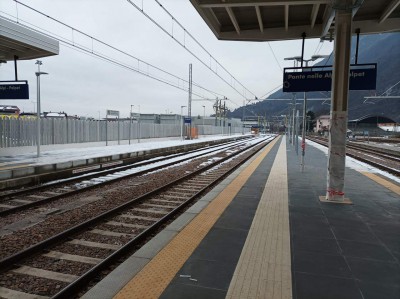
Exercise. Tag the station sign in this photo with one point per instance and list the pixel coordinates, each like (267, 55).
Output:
(188, 120)
(361, 78)
(112, 113)
(14, 90)
(134, 115)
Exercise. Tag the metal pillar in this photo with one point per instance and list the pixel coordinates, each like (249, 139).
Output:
(38, 115)
(291, 126)
(15, 67)
(130, 124)
(297, 132)
(303, 132)
(340, 91)
(139, 133)
(244, 104)
(293, 119)
(182, 123)
(190, 101)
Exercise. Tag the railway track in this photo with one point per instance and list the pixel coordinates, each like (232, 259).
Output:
(22, 199)
(385, 160)
(61, 265)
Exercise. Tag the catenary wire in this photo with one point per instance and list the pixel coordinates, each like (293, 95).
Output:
(191, 52)
(114, 48)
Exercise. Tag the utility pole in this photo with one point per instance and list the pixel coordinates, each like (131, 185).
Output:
(216, 112)
(244, 104)
(220, 116)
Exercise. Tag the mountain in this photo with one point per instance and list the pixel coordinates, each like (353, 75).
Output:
(382, 49)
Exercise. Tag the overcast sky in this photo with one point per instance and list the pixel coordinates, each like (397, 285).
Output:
(81, 84)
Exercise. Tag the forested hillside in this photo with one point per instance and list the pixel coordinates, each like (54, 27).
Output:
(382, 49)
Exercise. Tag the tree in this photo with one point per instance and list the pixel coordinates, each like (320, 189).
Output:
(311, 120)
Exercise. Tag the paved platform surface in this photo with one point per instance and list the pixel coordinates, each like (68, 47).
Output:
(271, 237)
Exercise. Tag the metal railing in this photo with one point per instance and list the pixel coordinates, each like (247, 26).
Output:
(15, 132)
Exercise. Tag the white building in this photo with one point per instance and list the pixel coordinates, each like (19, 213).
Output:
(322, 123)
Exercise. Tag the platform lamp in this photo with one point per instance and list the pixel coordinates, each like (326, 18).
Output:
(295, 60)
(303, 133)
(38, 74)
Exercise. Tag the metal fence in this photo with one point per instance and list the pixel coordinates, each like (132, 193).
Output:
(23, 132)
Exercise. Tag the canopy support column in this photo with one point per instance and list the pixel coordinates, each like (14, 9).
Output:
(15, 67)
(340, 92)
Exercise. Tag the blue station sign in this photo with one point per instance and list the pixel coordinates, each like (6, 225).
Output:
(188, 120)
(361, 78)
(14, 91)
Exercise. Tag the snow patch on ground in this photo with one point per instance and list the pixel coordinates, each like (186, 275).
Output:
(355, 164)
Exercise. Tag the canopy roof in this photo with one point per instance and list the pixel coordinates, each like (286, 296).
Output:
(21, 41)
(269, 20)
(372, 119)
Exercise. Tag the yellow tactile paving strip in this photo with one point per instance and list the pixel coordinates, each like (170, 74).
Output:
(158, 273)
(392, 187)
(264, 267)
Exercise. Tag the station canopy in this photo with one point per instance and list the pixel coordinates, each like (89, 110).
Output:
(271, 20)
(372, 119)
(23, 42)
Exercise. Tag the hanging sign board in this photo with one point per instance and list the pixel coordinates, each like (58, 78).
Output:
(362, 77)
(112, 113)
(134, 115)
(14, 90)
(188, 120)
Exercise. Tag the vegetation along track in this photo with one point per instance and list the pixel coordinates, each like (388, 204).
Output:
(60, 265)
(22, 199)
(386, 160)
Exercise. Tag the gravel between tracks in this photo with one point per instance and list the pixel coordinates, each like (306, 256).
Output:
(108, 196)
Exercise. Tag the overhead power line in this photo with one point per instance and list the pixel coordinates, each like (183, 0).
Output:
(273, 53)
(141, 67)
(183, 43)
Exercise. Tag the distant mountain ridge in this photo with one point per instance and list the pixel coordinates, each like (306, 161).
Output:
(382, 49)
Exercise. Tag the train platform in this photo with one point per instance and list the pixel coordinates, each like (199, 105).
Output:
(264, 233)
(21, 166)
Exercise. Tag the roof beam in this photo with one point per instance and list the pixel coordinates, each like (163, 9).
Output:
(286, 17)
(389, 9)
(272, 34)
(209, 17)
(329, 15)
(314, 14)
(215, 17)
(242, 3)
(259, 18)
(233, 19)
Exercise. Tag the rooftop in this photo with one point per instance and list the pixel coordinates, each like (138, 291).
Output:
(269, 20)
(26, 43)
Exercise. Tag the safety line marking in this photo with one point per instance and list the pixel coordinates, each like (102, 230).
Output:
(385, 183)
(264, 267)
(152, 280)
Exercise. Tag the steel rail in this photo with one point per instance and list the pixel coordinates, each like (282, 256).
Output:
(387, 155)
(141, 162)
(17, 257)
(372, 163)
(75, 286)
(110, 181)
